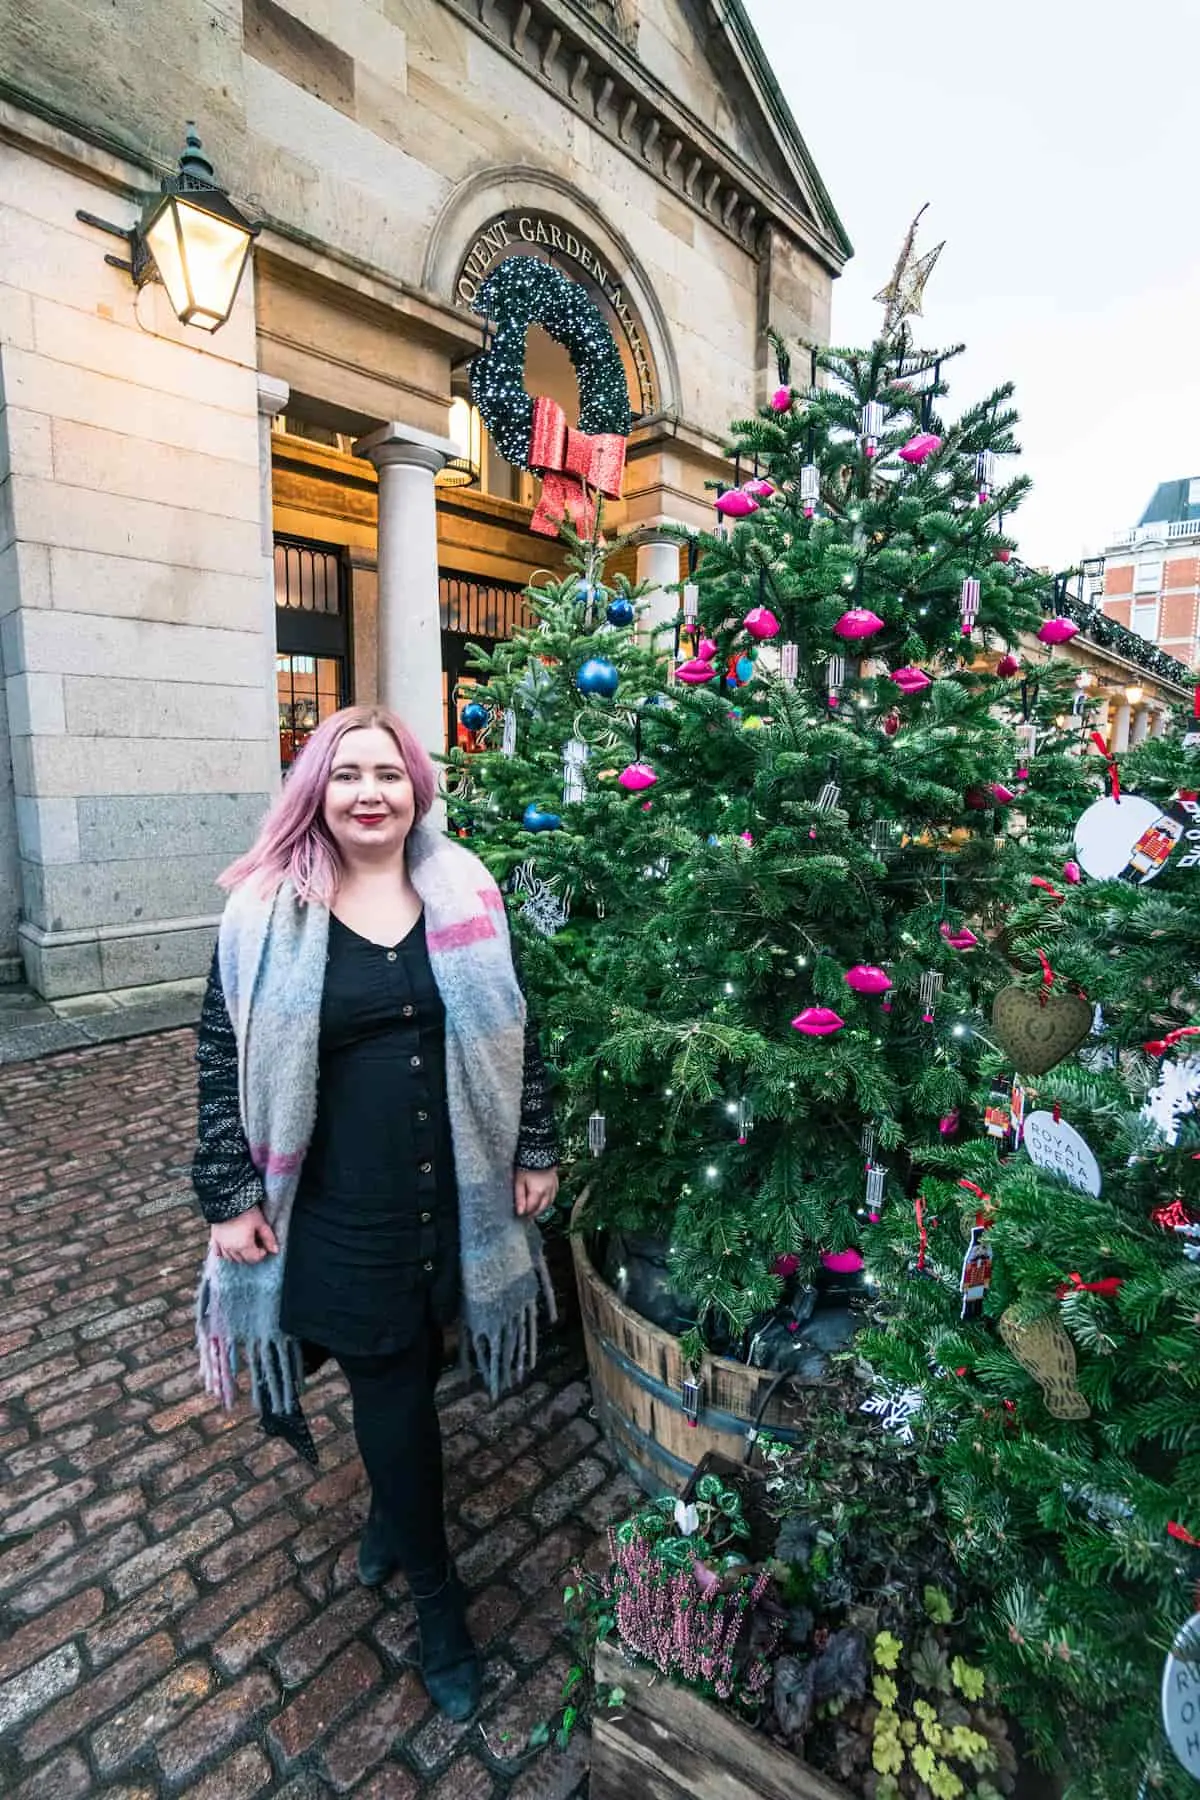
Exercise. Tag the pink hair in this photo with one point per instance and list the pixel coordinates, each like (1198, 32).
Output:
(294, 840)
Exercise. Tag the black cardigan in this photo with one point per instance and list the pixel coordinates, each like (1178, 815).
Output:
(223, 1172)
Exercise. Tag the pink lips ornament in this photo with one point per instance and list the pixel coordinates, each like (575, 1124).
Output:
(911, 680)
(758, 488)
(736, 504)
(919, 447)
(781, 399)
(1002, 795)
(761, 623)
(818, 1021)
(706, 650)
(695, 671)
(867, 978)
(842, 1262)
(859, 622)
(962, 939)
(637, 776)
(1008, 665)
(1058, 631)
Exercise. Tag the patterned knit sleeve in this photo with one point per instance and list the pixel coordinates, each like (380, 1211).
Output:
(223, 1173)
(537, 1139)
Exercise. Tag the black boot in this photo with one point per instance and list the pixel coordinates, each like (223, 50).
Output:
(377, 1556)
(449, 1661)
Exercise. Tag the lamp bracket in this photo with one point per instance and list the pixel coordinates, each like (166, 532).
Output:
(139, 263)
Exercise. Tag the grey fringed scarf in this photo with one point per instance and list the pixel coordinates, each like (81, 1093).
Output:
(272, 958)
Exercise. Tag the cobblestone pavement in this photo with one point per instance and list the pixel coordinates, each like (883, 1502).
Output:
(179, 1613)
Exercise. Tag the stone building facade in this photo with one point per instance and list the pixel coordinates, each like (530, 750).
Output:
(208, 541)
(1152, 572)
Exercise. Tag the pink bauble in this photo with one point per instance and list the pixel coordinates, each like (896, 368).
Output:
(818, 1021)
(859, 622)
(781, 399)
(866, 978)
(1072, 873)
(758, 488)
(911, 680)
(891, 724)
(1008, 665)
(706, 650)
(785, 1265)
(842, 1262)
(949, 1123)
(1058, 631)
(695, 671)
(919, 447)
(736, 504)
(1002, 555)
(637, 776)
(1002, 795)
(747, 837)
(962, 939)
(761, 623)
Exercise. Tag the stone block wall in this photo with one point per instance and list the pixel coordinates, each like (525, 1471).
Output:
(131, 599)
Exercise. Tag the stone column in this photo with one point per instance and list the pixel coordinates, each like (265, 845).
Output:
(273, 396)
(410, 626)
(1141, 726)
(658, 563)
(1119, 736)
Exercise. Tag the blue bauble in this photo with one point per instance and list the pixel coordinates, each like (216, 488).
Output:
(474, 716)
(534, 819)
(620, 611)
(598, 676)
(590, 591)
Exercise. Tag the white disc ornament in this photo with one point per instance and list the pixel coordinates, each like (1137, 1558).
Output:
(1130, 838)
(1058, 1148)
(1181, 1697)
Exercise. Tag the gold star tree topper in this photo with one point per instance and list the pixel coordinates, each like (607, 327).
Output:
(901, 298)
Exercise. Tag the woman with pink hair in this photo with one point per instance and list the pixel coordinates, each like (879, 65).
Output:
(375, 1140)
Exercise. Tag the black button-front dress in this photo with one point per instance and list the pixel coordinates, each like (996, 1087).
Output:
(375, 1223)
(373, 1246)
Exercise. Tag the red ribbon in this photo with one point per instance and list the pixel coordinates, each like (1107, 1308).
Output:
(982, 1219)
(1075, 1283)
(1039, 881)
(1196, 702)
(1107, 754)
(1159, 1046)
(922, 1233)
(1185, 1537)
(1047, 973)
(1174, 1214)
(571, 462)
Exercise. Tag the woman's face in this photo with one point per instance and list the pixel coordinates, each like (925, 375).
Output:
(369, 797)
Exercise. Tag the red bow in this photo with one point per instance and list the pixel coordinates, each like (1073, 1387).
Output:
(1107, 1287)
(1106, 753)
(571, 462)
(1160, 1046)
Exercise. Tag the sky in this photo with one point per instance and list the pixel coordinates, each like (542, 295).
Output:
(1058, 145)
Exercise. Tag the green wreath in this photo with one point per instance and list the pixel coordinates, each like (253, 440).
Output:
(525, 291)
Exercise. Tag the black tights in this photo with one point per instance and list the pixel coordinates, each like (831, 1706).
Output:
(396, 1425)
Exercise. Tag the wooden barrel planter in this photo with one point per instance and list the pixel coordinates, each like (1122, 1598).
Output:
(643, 1394)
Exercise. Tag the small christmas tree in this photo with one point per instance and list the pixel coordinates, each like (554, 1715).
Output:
(1051, 1350)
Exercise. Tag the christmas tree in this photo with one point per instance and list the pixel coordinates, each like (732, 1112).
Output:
(1047, 1361)
(780, 846)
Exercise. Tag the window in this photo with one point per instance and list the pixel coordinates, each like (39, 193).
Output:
(312, 639)
(1147, 574)
(1194, 491)
(1145, 619)
(473, 612)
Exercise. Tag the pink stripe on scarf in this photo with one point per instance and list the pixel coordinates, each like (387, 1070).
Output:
(457, 937)
(275, 1162)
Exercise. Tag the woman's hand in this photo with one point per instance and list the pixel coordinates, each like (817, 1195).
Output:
(246, 1239)
(534, 1191)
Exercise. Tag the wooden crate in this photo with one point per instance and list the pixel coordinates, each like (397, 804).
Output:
(667, 1743)
(637, 1386)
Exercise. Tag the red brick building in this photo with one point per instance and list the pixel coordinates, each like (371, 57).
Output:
(1152, 572)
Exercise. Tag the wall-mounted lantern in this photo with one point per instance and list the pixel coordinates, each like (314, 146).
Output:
(466, 431)
(192, 238)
